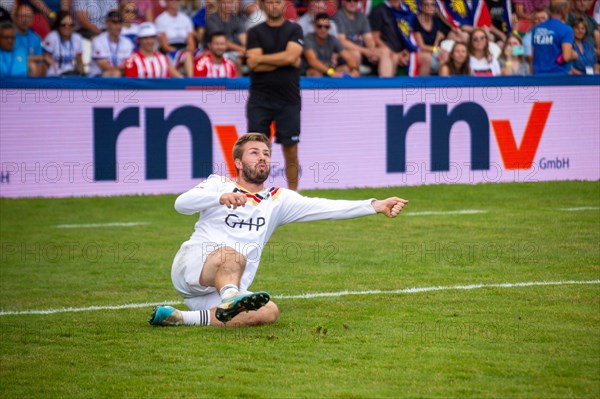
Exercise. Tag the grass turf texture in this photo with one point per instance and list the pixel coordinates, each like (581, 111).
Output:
(493, 342)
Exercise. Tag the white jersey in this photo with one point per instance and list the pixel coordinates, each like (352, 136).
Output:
(483, 67)
(104, 49)
(176, 28)
(64, 53)
(247, 229)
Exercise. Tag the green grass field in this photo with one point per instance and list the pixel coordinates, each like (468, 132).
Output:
(490, 342)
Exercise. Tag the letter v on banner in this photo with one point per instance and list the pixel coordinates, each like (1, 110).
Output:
(522, 157)
(228, 135)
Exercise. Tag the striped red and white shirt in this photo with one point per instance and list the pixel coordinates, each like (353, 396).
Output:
(204, 67)
(139, 66)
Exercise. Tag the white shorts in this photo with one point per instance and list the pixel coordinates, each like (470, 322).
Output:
(203, 302)
(186, 271)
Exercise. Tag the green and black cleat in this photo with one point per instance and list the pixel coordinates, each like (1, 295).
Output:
(230, 308)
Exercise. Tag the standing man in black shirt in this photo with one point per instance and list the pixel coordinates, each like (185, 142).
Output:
(273, 54)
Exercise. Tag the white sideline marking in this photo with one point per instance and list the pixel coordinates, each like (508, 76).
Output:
(581, 208)
(68, 310)
(308, 296)
(440, 288)
(116, 224)
(460, 212)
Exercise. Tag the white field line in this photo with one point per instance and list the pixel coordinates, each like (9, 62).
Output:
(314, 295)
(92, 225)
(69, 310)
(459, 212)
(581, 208)
(440, 288)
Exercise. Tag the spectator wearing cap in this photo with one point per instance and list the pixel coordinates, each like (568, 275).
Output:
(146, 62)
(110, 49)
(13, 61)
(63, 48)
(90, 15)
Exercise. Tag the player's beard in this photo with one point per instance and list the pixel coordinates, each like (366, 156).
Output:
(274, 14)
(253, 174)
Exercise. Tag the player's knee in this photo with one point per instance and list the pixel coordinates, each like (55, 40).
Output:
(231, 257)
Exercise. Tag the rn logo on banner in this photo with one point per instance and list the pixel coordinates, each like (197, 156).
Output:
(108, 127)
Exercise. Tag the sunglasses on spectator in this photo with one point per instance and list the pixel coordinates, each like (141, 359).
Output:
(66, 25)
(130, 11)
(479, 38)
(323, 26)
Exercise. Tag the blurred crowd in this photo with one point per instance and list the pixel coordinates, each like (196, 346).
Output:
(346, 38)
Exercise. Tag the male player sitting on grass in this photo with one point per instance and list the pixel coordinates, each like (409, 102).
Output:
(214, 268)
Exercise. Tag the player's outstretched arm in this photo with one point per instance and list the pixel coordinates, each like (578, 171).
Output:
(390, 207)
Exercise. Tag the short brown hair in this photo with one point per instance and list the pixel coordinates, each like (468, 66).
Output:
(238, 147)
(558, 6)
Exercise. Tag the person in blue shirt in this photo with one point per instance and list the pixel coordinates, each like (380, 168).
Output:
(13, 61)
(29, 40)
(552, 42)
(587, 61)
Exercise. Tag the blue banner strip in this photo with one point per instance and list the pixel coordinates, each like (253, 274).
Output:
(305, 83)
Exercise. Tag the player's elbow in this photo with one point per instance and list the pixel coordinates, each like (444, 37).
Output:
(181, 205)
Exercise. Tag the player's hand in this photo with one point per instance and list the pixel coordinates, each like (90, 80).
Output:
(390, 207)
(233, 200)
(297, 63)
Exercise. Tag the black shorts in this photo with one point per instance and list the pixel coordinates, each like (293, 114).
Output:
(261, 113)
